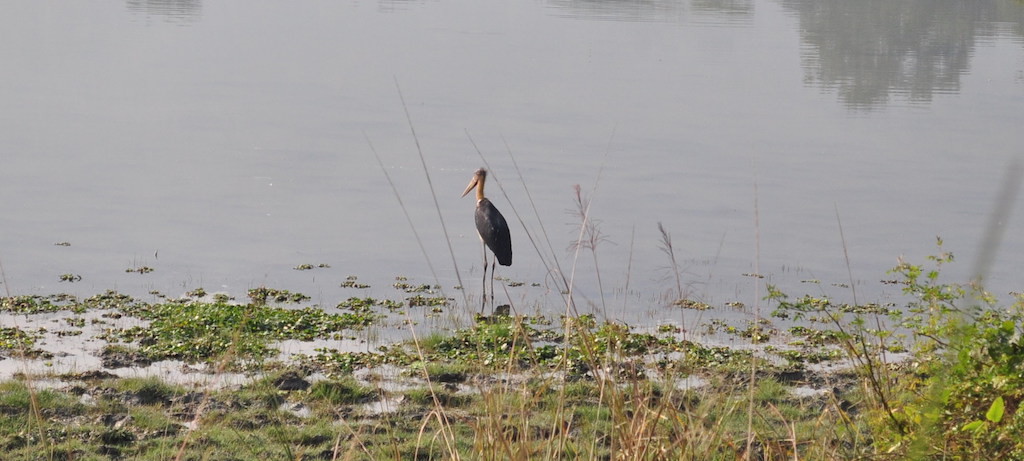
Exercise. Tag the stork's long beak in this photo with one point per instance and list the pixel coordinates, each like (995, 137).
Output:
(472, 184)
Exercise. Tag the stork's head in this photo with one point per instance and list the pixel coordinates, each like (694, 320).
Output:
(477, 182)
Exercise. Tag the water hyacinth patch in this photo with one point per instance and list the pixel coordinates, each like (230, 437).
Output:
(204, 331)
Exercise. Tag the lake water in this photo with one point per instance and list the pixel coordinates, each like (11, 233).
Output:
(224, 143)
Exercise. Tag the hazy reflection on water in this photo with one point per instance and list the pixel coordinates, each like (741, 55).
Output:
(181, 11)
(871, 52)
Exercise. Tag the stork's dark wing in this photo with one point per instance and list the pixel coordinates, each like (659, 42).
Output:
(494, 231)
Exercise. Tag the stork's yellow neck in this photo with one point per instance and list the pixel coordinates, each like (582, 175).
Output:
(480, 188)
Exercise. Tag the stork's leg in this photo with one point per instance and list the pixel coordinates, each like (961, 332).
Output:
(483, 288)
(493, 262)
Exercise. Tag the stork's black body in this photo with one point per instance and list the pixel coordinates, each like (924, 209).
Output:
(492, 228)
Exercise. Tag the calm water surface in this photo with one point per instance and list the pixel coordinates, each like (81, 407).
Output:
(224, 143)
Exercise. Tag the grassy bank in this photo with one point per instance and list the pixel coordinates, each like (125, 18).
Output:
(939, 377)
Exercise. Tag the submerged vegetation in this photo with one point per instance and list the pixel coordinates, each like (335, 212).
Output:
(938, 378)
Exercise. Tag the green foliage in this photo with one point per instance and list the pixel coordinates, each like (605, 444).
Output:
(28, 305)
(523, 388)
(365, 305)
(967, 379)
(580, 345)
(205, 331)
(38, 304)
(352, 282)
(15, 339)
(957, 395)
(428, 301)
(490, 343)
(262, 295)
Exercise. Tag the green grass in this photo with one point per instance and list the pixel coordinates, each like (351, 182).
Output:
(554, 404)
(198, 332)
(530, 387)
(345, 391)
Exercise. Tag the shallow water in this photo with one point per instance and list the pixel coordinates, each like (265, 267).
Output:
(224, 143)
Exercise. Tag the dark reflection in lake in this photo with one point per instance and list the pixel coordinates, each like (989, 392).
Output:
(720, 11)
(871, 51)
(177, 11)
(392, 6)
(868, 52)
(738, 10)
